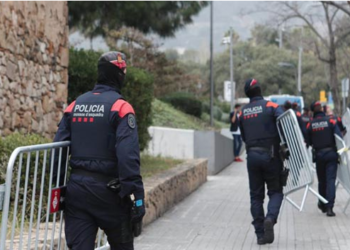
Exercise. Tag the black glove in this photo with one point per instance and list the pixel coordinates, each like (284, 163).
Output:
(138, 211)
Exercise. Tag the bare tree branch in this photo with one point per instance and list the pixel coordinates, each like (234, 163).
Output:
(319, 54)
(339, 6)
(297, 14)
(342, 37)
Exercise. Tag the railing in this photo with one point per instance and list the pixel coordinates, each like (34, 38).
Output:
(27, 222)
(299, 163)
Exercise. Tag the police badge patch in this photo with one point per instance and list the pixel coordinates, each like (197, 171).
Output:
(131, 121)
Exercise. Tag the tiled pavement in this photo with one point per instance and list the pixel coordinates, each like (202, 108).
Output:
(217, 217)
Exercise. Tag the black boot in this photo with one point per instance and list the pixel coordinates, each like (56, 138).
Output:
(322, 207)
(330, 212)
(269, 234)
(261, 241)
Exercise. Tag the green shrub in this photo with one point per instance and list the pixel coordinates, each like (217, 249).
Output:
(225, 117)
(217, 112)
(185, 102)
(138, 89)
(7, 146)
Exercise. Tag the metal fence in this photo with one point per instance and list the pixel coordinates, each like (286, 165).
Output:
(28, 199)
(301, 174)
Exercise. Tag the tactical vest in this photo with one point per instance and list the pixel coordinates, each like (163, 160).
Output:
(258, 123)
(322, 133)
(92, 135)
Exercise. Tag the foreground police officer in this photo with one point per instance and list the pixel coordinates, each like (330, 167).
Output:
(259, 132)
(104, 146)
(321, 132)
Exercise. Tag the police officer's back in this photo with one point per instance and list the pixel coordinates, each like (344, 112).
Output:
(105, 161)
(320, 133)
(259, 131)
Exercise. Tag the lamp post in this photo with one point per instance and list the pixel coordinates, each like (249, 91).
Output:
(211, 65)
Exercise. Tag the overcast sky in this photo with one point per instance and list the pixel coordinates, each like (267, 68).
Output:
(196, 35)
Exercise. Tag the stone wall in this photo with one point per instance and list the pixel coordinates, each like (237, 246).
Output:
(33, 66)
(166, 189)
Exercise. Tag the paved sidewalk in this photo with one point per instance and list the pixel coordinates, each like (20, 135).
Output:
(217, 217)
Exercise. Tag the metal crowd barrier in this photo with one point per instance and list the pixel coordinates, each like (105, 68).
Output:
(343, 173)
(299, 163)
(346, 121)
(27, 221)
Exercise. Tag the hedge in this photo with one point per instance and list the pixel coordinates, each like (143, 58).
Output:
(138, 89)
(7, 145)
(184, 102)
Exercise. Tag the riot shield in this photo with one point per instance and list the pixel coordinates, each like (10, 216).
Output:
(299, 162)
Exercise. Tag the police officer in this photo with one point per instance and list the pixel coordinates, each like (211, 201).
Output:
(288, 105)
(329, 112)
(305, 117)
(321, 132)
(259, 132)
(104, 149)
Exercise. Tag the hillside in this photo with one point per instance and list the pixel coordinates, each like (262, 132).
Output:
(164, 115)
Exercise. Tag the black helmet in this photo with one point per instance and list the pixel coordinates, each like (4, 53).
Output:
(111, 69)
(252, 84)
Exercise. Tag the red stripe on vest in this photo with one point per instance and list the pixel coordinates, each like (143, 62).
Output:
(69, 109)
(123, 108)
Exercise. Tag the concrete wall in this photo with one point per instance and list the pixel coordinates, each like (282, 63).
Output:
(190, 144)
(216, 147)
(33, 66)
(168, 188)
(170, 142)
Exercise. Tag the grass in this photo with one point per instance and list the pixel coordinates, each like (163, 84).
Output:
(152, 165)
(164, 115)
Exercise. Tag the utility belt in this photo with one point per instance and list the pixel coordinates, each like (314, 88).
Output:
(322, 150)
(96, 176)
(270, 150)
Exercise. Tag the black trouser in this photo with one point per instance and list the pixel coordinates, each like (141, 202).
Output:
(326, 168)
(91, 205)
(262, 169)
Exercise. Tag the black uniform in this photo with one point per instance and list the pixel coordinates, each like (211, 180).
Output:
(339, 123)
(321, 132)
(259, 132)
(104, 146)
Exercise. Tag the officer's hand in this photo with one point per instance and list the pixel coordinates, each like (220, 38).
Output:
(138, 211)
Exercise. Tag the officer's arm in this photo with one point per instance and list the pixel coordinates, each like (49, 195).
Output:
(336, 128)
(341, 125)
(127, 151)
(63, 134)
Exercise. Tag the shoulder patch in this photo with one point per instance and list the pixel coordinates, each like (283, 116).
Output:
(298, 114)
(308, 125)
(123, 108)
(69, 109)
(131, 121)
(339, 119)
(271, 104)
(332, 121)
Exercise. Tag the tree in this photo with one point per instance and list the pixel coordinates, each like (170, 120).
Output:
(344, 6)
(162, 18)
(337, 30)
